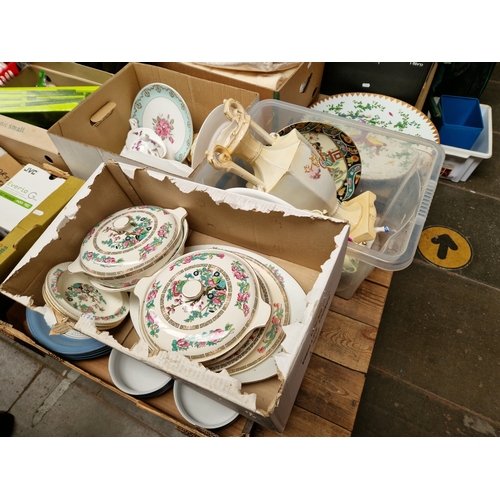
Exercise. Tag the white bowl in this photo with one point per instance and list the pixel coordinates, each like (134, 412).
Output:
(135, 377)
(199, 409)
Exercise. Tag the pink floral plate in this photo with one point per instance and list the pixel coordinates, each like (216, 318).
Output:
(162, 109)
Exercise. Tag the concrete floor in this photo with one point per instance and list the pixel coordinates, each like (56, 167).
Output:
(435, 369)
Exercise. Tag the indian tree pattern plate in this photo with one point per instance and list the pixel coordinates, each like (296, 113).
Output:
(380, 111)
(338, 151)
(202, 304)
(161, 108)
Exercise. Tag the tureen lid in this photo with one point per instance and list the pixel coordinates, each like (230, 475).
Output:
(131, 240)
(202, 304)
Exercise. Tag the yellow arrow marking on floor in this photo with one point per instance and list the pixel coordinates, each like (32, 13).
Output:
(444, 247)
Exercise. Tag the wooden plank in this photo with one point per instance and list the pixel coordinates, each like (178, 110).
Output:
(303, 423)
(381, 277)
(331, 391)
(366, 305)
(346, 341)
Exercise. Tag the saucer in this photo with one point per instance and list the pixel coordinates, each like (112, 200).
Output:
(161, 108)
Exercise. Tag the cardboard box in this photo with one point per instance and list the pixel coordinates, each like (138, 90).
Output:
(59, 74)
(20, 239)
(310, 247)
(29, 144)
(96, 130)
(299, 85)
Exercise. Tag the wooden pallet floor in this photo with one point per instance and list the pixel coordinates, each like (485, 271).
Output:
(329, 396)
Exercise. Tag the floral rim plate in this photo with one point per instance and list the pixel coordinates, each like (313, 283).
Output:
(159, 107)
(199, 409)
(381, 111)
(339, 153)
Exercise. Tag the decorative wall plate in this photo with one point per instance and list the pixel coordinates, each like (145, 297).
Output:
(338, 151)
(381, 111)
(159, 107)
(200, 410)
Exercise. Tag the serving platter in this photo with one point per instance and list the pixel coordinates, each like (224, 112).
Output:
(161, 108)
(381, 111)
(338, 151)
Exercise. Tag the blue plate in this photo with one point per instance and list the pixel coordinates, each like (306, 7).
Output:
(63, 345)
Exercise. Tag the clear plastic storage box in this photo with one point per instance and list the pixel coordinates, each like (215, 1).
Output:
(402, 171)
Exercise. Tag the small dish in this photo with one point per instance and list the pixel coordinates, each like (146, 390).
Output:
(159, 107)
(200, 410)
(72, 294)
(137, 378)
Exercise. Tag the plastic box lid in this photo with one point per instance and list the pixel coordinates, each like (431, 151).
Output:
(402, 170)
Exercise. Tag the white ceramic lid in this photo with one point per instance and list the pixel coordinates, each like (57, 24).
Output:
(201, 304)
(131, 240)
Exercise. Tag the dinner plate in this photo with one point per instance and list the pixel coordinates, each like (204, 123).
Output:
(338, 151)
(381, 111)
(71, 345)
(199, 409)
(160, 107)
(259, 195)
(137, 378)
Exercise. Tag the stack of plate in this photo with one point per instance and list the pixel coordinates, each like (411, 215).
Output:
(72, 346)
(72, 294)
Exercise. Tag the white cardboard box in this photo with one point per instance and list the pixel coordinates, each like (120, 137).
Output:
(309, 247)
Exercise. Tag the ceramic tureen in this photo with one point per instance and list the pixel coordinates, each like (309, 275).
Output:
(130, 244)
(202, 304)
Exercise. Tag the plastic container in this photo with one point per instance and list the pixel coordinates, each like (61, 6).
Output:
(461, 121)
(402, 170)
(460, 163)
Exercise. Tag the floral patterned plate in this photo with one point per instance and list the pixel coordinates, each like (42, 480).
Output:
(338, 151)
(202, 304)
(382, 111)
(73, 295)
(161, 108)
